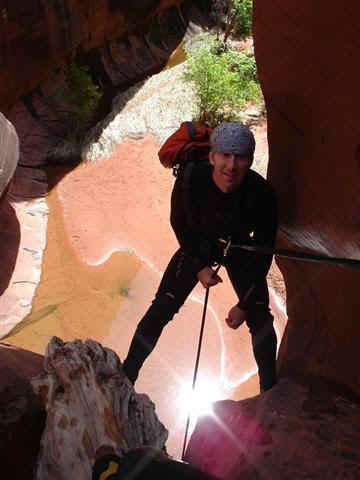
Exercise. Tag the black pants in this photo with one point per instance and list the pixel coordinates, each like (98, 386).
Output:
(176, 285)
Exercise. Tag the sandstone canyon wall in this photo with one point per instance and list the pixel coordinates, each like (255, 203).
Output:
(54, 30)
(307, 60)
(306, 54)
(119, 45)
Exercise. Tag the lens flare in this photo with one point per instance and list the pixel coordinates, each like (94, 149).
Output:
(199, 402)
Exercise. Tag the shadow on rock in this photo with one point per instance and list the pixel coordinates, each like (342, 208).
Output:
(22, 417)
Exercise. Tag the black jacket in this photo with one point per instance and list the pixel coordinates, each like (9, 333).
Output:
(201, 214)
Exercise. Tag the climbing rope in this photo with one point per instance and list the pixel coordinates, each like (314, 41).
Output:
(196, 368)
(226, 249)
(348, 262)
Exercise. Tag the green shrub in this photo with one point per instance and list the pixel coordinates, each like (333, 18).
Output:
(243, 17)
(82, 95)
(224, 81)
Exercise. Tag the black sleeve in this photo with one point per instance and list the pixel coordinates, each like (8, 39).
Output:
(189, 240)
(265, 229)
(256, 266)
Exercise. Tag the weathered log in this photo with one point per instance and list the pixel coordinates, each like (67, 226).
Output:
(92, 409)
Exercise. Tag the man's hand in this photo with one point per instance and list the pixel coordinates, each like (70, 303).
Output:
(208, 278)
(236, 317)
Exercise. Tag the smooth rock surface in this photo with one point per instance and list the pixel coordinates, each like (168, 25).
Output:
(310, 80)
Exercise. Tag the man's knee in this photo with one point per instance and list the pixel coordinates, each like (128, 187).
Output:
(165, 306)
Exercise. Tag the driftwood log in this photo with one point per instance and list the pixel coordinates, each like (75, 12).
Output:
(92, 409)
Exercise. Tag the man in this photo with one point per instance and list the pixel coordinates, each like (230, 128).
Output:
(219, 199)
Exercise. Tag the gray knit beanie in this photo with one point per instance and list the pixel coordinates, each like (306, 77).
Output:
(233, 138)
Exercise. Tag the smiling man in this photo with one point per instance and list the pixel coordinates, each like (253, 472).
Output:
(218, 199)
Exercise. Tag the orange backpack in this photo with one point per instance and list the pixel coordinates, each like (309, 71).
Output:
(191, 141)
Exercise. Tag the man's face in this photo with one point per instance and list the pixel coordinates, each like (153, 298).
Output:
(229, 170)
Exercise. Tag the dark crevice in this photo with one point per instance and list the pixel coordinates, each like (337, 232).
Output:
(62, 20)
(136, 7)
(107, 51)
(98, 73)
(27, 101)
(148, 45)
(36, 167)
(181, 16)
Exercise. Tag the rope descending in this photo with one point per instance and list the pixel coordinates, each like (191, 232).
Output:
(348, 262)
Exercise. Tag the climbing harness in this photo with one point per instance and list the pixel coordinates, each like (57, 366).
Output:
(347, 262)
(226, 249)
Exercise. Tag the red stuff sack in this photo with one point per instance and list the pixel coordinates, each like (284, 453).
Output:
(191, 141)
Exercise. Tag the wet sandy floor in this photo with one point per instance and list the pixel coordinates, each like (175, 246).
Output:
(108, 242)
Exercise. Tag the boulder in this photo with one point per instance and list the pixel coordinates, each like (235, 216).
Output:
(292, 431)
(22, 415)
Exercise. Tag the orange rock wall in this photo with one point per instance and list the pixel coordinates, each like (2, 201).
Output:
(307, 59)
(37, 36)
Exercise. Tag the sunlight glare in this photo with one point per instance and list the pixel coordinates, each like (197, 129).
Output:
(199, 402)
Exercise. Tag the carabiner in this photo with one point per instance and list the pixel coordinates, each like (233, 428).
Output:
(227, 245)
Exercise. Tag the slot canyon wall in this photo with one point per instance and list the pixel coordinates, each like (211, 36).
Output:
(54, 30)
(307, 60)
(118, 44)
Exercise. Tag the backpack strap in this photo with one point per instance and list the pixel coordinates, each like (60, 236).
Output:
(190, 126)
(186, 175)
(191, 129)
(192, 177)
(186, 190)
